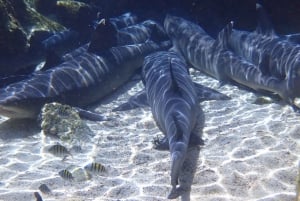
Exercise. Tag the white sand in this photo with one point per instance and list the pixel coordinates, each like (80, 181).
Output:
(251, 152)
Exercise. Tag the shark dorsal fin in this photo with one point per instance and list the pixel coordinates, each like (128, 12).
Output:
(224, 35)
(264, 24)
(104, 37)
(174, 83)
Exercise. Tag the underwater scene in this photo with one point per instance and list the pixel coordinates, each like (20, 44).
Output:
(149, 100)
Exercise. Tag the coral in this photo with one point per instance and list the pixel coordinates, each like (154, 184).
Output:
(64, 122)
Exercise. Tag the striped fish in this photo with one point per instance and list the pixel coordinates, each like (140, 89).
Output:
(37, 196)
(172, 97)
(95, 167)
(44, 189)
(59, 150)
(66, 174)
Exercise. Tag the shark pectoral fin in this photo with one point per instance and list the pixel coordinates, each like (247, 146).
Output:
(104, 37)
(138, 100)
(206, 93)
(195, 140)
(161, 144)
(92, 116)
(264, 26)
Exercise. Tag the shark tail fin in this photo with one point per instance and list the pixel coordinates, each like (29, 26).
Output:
(264, 24)
(178, 151)
(224, 36)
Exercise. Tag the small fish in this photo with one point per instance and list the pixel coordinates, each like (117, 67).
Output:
(38, 196)
(59, 151)
(66, 174)
(44, 189)
(95, 167)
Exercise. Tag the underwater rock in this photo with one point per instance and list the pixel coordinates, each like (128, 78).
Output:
(44, 6)
(75, 14)
(12, 34)
(64, 122)
(18, 23)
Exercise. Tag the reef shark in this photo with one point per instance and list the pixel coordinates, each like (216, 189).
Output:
(214, 58)
(108, 35)
(275, 56)
(174, 101)
(79, 82)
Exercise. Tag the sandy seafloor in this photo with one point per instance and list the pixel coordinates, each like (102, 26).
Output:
(251, 152)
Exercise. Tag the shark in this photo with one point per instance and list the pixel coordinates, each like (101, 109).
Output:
(174, 101)
(276, 56)
(172, 97)
(78, 82)
(214, 58)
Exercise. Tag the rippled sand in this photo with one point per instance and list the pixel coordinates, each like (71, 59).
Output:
(251, 152)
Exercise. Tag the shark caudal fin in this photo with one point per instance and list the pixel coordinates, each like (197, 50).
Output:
(264, 24)
(178, 147)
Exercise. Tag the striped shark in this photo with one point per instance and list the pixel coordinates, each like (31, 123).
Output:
(281, 55)
(174, 101)
(214, 58)
(79, 82)
(172, 97)
(108, 35)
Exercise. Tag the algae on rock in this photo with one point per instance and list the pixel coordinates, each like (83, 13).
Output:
(64, 122)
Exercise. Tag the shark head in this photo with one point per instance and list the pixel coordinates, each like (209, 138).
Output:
(17, 111)
(18, 106)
